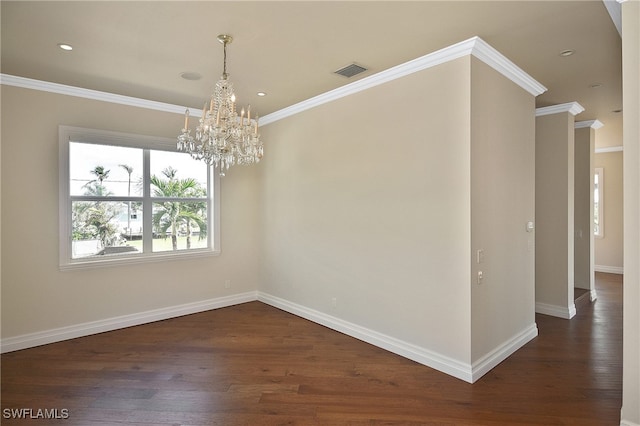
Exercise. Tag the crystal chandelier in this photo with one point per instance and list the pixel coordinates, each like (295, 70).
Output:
(223, 138)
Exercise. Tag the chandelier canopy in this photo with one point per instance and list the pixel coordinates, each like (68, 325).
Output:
(223, 138)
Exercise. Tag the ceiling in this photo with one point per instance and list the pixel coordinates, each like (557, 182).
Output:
(290, 50)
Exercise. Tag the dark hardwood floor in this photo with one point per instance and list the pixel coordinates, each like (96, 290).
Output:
(252, 364)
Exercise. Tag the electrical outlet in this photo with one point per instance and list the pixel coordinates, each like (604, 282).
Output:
(480, 277)
(227, 283)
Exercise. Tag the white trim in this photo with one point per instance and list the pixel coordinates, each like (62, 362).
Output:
(628, 423)
(25, 341)
(447, 54)
(593, 296)
(609, 269)
(474, 46)
(419, 354)
(609, 149)
(445, 364)
(490, 56)
(566, 312)
(594, 124)
(62, 89)
(598, 173)
(502, 352)
(67, 134)
(615, 12)
(573, 108)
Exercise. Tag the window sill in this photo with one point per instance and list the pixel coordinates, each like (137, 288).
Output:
(91, 263)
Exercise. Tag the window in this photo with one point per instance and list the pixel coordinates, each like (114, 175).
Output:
(598, 202)
(128, 198)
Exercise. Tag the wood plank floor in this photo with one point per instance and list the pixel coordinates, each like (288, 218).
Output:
(253, 364)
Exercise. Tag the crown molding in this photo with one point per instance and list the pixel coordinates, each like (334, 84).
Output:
(447, 54)
(62, 89)
(573, 108)
(474, 46)
(490, 56)
(594, 124)
(606, 149)
(614, 7)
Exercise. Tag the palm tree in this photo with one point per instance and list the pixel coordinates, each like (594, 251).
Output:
(129, 170)
(95, 186)
(100, 173)
(94, 219)
(195, 212)
(171, 214)
(99, 218)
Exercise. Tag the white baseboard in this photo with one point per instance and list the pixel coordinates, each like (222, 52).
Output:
(447, 365)
(25, 341)
(424, 356)
(502, 352)
(556, 311)
(628, 423)
(593, 296)
(609, 269)
(419, 354)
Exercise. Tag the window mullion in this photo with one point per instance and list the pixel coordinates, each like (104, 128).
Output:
(147, 207)
(212, 231)
(81, 239)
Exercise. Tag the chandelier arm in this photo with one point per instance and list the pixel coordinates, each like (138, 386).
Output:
(222, 138)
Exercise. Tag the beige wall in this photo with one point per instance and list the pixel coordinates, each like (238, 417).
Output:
(554, 212)
(502, 202)
(36, 296)
(583, 208)
(366, 200)
(630, 414)
(610, 135)
(609, 248)
(376, 206)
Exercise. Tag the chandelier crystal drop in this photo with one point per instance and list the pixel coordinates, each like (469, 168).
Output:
(223, 138)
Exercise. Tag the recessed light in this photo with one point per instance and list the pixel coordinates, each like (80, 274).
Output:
(261, 94)
(65, 46)
(188, 75)
(595, 85)
(567, 52)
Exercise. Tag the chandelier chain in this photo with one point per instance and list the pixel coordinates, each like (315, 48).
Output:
(224, 63)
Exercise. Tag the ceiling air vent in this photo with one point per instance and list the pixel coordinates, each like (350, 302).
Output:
(350, 70)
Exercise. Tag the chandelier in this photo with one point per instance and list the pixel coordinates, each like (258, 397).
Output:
(223, 138)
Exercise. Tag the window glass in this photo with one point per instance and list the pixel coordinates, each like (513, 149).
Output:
(130, 198)
(177, 175)
(179, 225)
(104, 170)
(99, 225)
(598, 205)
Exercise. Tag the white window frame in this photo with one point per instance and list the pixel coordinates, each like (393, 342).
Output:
(67, 134)
(599, 233)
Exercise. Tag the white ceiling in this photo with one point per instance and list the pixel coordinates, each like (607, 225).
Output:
(290, 49)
